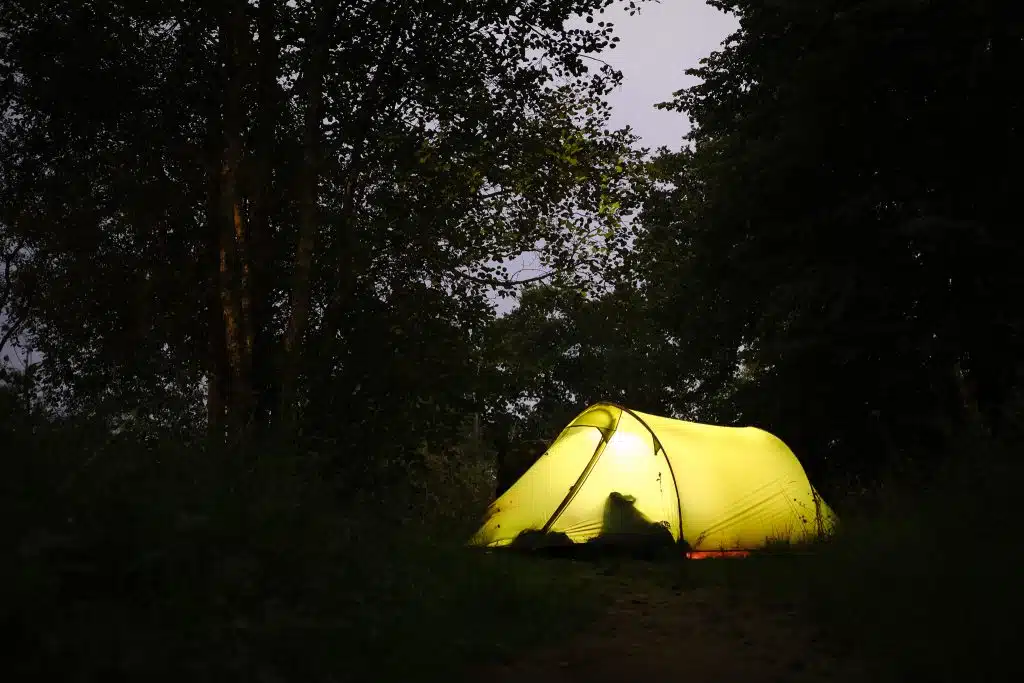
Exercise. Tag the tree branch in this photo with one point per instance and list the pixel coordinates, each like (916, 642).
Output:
(8, 265)
(12, 331)
(494, 282)
(595, 59)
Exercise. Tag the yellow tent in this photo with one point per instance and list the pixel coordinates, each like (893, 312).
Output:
(717, 488)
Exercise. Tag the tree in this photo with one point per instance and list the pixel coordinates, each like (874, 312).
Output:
(560, 351)
(837, 255)
(222, 198)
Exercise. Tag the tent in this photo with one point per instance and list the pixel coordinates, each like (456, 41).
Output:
(716, 488)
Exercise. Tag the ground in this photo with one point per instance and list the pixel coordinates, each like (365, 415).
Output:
(653, 629)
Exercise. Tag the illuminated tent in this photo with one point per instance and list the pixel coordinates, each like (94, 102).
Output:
(717, 488)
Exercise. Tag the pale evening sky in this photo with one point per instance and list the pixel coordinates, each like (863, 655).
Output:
(655, 47)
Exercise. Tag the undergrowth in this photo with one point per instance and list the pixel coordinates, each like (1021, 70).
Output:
(919, 585)
(925, 584)
(167, 563)
(170, 563)
(922, 583)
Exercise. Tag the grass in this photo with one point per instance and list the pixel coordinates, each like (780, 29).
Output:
(169, 565)
(924, 585)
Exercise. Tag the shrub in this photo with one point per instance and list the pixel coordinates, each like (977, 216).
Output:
(174, 562)
(925, 584)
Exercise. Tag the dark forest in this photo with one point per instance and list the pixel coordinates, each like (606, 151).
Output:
(266, 356)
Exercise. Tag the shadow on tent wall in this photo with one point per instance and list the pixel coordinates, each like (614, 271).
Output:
(624, 529)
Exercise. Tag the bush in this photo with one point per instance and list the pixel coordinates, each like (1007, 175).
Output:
(173, 562)
(925, 585)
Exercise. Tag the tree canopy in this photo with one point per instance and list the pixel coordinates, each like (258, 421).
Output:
(293, 218)
(277, 213)
(255, 388)
(837, 244)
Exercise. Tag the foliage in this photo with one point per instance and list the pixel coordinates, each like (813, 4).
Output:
(916, 585)
(253, 246)
(559, 351)
(926, 571)
(251, 208)
(838, 260)
(278, 223)
(562, 349)
(161, 563)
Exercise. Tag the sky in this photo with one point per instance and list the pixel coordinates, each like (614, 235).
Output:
(655, 47)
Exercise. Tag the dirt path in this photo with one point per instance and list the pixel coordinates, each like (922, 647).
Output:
(705, 634)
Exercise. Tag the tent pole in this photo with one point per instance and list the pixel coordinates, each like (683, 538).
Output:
(579, 483)
(658, 446)
(583, 476)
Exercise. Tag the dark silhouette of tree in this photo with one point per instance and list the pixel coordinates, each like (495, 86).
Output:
(243, 207)
(839, 242)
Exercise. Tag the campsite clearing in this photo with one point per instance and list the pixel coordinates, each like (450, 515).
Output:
(652, 627)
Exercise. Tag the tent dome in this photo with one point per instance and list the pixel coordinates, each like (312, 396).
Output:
(717, 488)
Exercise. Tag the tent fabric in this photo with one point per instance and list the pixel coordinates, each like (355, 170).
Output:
(717, 488)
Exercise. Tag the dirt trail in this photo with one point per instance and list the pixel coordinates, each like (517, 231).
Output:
(705, 634)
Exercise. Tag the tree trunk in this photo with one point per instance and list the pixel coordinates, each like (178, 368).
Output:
(347, 266)
(235, 297)
(309, 214)
(216, 370)
(967, 390)
(260, 182)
